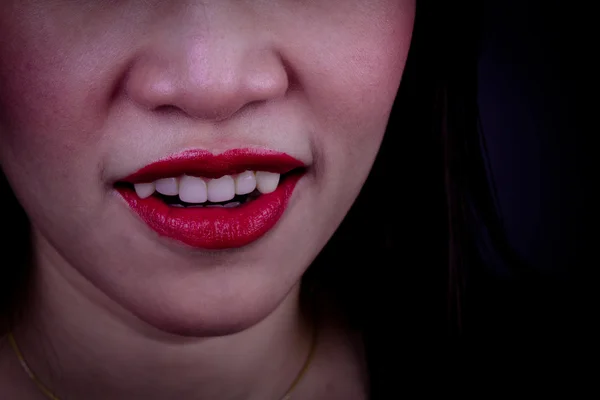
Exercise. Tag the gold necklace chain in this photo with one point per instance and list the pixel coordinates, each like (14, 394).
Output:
(38, 383)
(51, 396)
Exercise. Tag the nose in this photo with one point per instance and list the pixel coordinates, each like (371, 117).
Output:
(205, 72)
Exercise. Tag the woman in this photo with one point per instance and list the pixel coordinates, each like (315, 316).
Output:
(118, 119)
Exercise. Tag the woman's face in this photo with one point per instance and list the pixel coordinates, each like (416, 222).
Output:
(93, 91)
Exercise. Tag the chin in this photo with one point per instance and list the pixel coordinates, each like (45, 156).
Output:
(201, 327)
(203, 314)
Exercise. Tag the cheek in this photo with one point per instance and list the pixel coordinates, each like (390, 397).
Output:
(49, 129)
(45, 133)
(351, 82)
(39, 113)
(55, 91)
(56, 80)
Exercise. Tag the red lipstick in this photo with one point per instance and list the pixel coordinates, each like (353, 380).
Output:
(205, 164)
(215, 228)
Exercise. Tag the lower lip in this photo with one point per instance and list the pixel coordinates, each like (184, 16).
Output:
(214, 228)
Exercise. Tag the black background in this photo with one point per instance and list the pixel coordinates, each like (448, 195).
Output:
(534, 93)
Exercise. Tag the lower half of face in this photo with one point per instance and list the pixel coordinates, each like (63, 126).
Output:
(116, 126)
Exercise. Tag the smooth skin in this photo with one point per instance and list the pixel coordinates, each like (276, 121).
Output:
(93, 90)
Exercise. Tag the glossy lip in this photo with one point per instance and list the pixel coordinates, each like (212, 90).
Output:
(215, 228)
(205, 164)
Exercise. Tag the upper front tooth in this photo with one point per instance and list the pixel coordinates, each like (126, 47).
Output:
(192, 189)
(245, 183)
(266, 182)
(221, 189)
(167, 186)
(144, 190)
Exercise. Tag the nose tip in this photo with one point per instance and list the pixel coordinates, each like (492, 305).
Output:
(210, 87)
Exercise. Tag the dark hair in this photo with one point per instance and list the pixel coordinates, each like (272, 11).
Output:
(411, 245)
(16, 265)
(413, 260)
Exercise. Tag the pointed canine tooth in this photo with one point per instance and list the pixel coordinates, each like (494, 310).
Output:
(266, 182)
(192, 189)
(245, 183)
(167, 186)
(221, 189)
(144, 190)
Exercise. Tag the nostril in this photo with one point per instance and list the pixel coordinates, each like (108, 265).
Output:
(168, 109)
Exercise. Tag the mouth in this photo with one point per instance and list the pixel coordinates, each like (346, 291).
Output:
(213, 201)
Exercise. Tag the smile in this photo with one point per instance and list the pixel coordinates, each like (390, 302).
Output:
(213, 201)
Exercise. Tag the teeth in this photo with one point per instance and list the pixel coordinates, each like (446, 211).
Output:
(167, 186)
(221, 189)
(192, 189)
(196, 190)
(245, 183)
(266, 182)
(144, 190)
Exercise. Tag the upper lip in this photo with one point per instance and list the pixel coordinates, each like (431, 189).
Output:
(204, 163)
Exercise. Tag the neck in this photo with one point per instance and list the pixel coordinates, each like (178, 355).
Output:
(80, 345)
